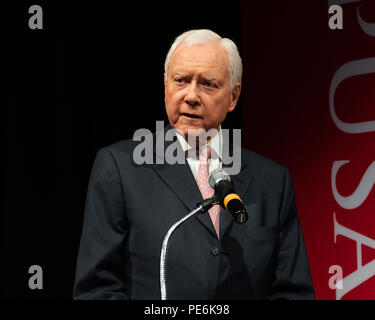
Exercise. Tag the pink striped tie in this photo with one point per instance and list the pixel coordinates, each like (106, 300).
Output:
(205, 188)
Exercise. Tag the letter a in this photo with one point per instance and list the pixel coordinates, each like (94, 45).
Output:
(36, 280)
(363, 272)
(36, 20)
(335, 282)
(336, 20)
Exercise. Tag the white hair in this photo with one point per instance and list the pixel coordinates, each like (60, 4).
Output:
(201, 36)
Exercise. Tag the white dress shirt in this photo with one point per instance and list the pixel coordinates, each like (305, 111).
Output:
(216, 149)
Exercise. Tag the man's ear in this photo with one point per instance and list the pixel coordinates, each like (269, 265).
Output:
(235, 94)
(165, 84)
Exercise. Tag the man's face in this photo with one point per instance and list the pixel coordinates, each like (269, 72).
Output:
(197, 88)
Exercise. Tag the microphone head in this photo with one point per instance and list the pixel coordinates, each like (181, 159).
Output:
(218, 175)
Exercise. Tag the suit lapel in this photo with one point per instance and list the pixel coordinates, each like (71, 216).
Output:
(178, 177)
(181, 181)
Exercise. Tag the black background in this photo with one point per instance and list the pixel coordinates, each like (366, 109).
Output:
(91, 77)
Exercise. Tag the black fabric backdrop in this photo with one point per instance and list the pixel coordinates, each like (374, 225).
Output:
(91, 77)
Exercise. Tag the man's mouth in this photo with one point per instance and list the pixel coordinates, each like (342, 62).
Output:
(193, 116)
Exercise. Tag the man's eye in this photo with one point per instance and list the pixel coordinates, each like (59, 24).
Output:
(209, 84)
(179, 80)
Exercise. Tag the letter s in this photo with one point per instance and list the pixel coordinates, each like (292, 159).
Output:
(360, 194)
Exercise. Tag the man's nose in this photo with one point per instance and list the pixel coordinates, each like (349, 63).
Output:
(192, 96)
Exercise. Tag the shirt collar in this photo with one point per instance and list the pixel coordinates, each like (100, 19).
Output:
(215, 143)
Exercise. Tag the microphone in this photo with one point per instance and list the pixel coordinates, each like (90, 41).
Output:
(225, 195)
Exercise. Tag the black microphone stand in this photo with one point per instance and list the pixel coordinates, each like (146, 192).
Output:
(202, 207)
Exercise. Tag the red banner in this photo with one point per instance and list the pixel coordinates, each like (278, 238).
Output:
(309, 103)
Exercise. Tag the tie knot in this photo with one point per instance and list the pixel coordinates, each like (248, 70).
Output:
(204, 153)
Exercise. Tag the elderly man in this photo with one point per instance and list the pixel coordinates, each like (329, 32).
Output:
(130, 207)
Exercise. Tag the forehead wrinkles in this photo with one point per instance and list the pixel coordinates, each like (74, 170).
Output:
(208, 57)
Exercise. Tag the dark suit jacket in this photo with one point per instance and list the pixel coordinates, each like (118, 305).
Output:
(130, 208)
